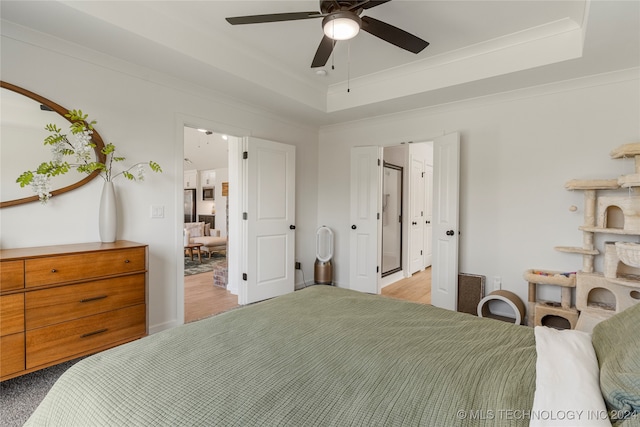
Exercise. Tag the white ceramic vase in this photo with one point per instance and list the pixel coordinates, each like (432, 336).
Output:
(107, 216)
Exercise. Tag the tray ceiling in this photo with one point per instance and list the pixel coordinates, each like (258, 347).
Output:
(476, 48)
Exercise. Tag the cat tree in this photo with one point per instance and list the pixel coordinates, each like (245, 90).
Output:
(598, 295)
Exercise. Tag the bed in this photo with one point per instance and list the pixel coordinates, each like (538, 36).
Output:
(322, 356)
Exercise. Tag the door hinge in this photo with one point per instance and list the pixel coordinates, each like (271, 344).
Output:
(245, 155)
(377, 269)
(378, 162)
(244, 276)
(245, 216)
(378, 215)
(399, 218)
(420, 252)
(421, 213)
(422, 175)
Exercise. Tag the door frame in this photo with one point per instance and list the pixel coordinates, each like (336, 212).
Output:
(182, 121)
(434, 168)
(406, 208)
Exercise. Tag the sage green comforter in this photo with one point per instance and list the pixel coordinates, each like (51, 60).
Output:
(322, 356)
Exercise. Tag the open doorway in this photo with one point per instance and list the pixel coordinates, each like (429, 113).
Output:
(206, 225)
(406, 238)
(365, 249)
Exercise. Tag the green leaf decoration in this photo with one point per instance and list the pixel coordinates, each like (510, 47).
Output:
(25, 179)
(91, 167)
(51, 127)
(54, 139)
(155, 167)
(108, 149)
(63, 147)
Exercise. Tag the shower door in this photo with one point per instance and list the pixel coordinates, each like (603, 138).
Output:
(391, 219)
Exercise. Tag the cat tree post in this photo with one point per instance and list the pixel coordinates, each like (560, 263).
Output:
(588, 236)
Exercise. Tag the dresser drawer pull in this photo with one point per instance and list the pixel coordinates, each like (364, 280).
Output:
(93, 298)
(53, 270)
(88, 334)
(126, 261)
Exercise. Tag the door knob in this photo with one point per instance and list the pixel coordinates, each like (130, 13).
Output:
(450, 233)
(353, 227)
(292, 227)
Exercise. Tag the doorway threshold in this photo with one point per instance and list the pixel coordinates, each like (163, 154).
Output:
(392, 278)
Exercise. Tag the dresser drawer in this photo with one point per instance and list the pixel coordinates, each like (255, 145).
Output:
(12, 354)
(60, 304)
(76, 337)
(82, 266)
(11, 314)
(11, 275)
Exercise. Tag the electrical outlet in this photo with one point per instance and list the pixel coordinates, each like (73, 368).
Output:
(298, 266)
(497, 283)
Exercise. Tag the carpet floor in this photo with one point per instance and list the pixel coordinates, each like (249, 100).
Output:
(20, 396)
(208, 264)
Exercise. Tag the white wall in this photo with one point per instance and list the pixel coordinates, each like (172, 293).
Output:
(142, 113)
(222, 175)
(517, 152)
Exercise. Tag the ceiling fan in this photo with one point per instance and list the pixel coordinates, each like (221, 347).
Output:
(342, 21)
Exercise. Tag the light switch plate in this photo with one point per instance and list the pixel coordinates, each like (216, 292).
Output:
(157, 211)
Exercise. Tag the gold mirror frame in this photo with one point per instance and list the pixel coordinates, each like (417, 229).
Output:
(96, 138)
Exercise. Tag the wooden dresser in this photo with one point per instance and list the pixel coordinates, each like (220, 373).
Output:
(61, 302)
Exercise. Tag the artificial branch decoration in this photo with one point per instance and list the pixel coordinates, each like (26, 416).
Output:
(79, 145)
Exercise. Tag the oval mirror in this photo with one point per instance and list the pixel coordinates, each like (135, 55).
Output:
(22, 128)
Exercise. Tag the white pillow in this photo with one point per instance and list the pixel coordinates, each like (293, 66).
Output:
(196, 229)
(567, 381)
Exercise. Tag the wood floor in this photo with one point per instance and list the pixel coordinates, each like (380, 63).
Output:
(202, 299)
(416, 288)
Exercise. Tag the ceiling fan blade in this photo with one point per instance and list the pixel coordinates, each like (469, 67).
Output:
(367, 4)
(323, 53)
(374, 3)
(273, 17)
(393, 35)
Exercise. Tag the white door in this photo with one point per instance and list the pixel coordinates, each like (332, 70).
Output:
(268, 220)
(446, 170)
(428, 215)
(366, 228)
(416, 215)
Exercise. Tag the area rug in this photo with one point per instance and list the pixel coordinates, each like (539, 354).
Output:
(207, 264)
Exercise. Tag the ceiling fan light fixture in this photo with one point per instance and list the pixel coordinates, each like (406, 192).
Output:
(342, 25)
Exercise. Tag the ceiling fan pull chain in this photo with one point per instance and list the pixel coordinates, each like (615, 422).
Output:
(333, 56)
(349, 66)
